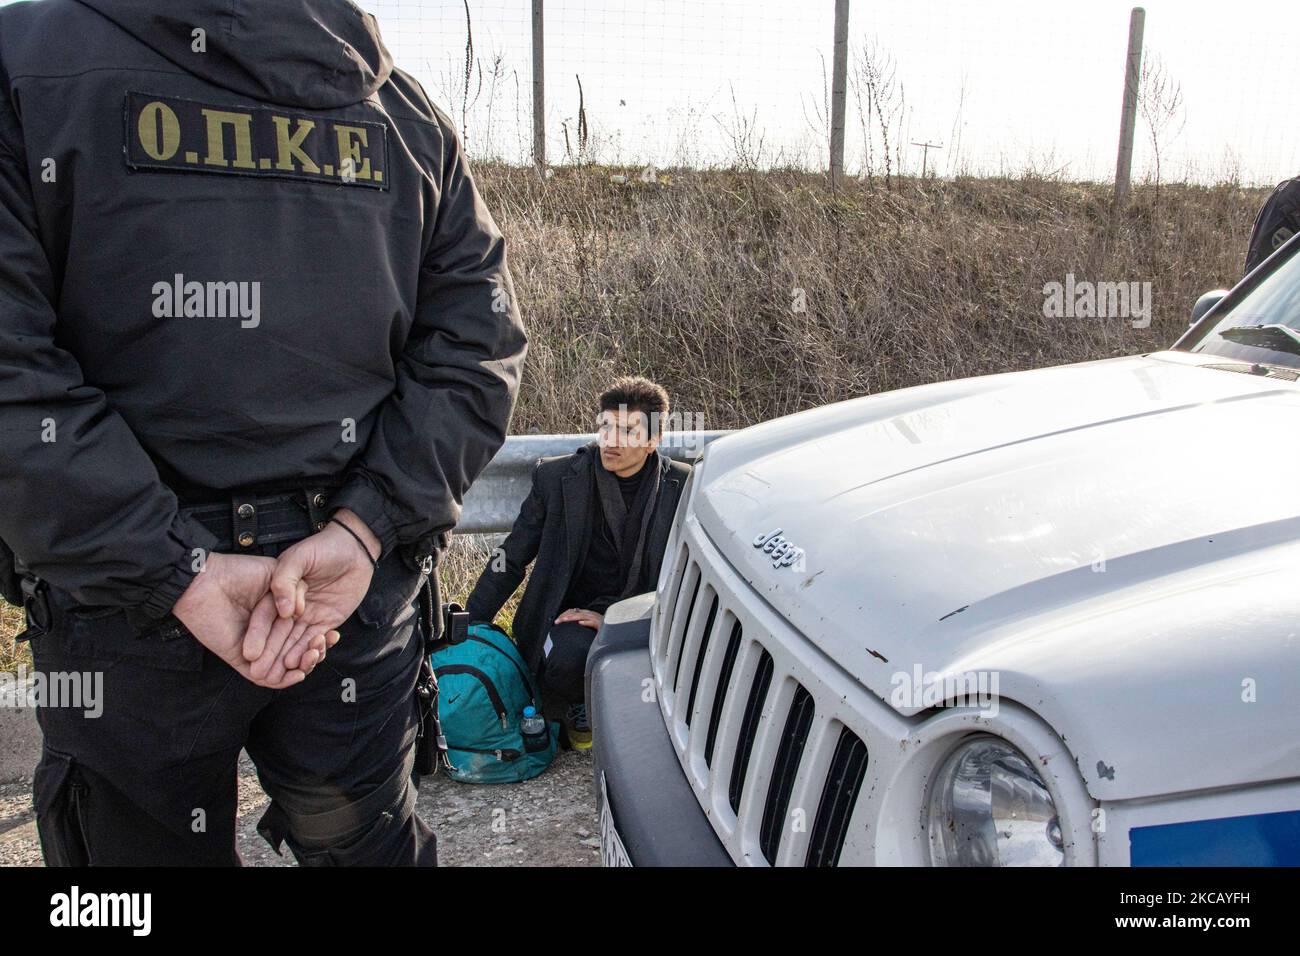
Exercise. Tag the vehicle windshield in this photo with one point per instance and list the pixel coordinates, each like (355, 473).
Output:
(1264, 327)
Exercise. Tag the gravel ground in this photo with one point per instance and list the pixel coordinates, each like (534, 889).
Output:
(547, 821)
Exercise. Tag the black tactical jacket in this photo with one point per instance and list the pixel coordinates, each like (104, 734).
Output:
(237, 248)
(1278, 221)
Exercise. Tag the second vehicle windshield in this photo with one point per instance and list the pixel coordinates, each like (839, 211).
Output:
(1264, 327)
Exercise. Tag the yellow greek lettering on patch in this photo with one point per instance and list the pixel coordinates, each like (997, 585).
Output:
(288, 147)
(241, 124)
(350, 149)
(159, 131)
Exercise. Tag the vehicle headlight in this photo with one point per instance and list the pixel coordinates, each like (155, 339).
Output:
(988, 807)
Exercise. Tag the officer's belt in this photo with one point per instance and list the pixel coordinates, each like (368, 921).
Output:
(243, 520)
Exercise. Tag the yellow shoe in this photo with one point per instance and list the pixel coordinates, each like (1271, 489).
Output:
(576, 727)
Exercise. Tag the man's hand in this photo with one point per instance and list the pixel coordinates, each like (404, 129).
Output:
(315, 587)
(582, 616)
(219, 605)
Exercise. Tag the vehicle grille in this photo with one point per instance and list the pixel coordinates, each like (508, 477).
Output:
(749, 729)
(699, 657)
(843, 783)
(753, 735)
(720, 692)
(793, 739)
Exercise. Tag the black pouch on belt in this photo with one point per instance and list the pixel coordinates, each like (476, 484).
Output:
(10, 580)
(436, 619)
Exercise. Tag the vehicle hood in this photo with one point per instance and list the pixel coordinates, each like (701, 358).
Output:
(1116, 541)
(314, 54)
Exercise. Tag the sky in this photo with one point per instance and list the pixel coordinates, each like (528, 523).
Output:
(998, 86)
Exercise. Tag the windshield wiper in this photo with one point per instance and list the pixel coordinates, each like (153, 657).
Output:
(1279, 338)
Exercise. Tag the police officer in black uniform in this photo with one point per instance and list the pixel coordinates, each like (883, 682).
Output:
(1278, 220)
(257, 338)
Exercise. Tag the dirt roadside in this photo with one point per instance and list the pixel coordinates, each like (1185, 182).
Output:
(547, 821)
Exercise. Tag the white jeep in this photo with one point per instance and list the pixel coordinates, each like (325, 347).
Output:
(1043, 618)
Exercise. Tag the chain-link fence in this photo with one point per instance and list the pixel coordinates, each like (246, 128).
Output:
(1003, 87)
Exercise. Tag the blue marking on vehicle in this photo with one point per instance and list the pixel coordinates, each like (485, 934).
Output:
(1261, 839)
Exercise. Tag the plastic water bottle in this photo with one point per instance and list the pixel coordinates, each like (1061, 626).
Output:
(533, 729)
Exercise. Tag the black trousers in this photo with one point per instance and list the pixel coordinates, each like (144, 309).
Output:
(152, 779)
(564, 659)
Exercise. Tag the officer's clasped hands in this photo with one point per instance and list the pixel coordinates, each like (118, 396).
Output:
(316, 585)
(273, 619)
(217, 608)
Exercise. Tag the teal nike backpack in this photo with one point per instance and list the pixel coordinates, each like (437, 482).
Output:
(483, 688)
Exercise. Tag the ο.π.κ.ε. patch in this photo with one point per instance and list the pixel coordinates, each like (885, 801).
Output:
(171, 133)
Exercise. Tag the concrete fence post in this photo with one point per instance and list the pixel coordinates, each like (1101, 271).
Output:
(839, 90)
(1128, 115)
(539, 90)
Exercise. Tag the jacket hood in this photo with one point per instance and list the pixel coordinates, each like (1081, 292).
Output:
(314, 54)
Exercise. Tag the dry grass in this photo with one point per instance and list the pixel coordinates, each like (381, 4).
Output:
(692, 283)
(461, 566)
(11, 653)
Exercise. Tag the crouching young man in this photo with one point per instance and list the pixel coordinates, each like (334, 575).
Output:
(597, 522)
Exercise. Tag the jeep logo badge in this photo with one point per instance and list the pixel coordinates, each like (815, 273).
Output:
(783, 552)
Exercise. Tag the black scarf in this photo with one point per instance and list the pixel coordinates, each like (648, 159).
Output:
(628, 525)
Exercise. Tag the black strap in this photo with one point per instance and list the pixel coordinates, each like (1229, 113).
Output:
(395, 795)
(374, 562)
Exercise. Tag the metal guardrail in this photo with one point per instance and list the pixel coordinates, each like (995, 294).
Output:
(492, 503)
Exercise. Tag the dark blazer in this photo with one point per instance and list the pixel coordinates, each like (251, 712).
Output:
(553, 527)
